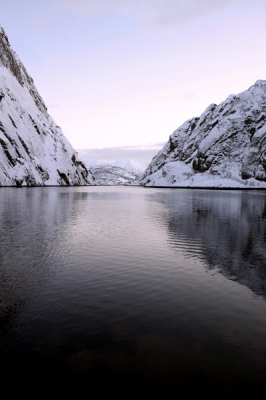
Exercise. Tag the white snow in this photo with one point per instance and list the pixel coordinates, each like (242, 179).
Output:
(215, 134)
(131, 165)
(121, 172)
(179, 174)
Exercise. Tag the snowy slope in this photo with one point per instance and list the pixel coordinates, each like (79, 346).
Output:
(110, 175)
(33, 149)
(224, 147)
(122, 172)
(134, 166)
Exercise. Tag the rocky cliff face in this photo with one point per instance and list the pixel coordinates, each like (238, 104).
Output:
(33, 149)
(225, 146)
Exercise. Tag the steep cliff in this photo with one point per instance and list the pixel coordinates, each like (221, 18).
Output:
(33, 149)
(224, 147)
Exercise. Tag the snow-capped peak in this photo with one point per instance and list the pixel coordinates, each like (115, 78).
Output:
(131, 165)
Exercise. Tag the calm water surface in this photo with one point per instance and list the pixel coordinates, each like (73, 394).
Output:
(154, 289)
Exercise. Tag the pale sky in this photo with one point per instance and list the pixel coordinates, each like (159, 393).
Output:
(128, 73)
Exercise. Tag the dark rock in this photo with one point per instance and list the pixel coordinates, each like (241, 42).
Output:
(19, 182)
(64, 177)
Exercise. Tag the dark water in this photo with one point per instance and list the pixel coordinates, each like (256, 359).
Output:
(131, 289)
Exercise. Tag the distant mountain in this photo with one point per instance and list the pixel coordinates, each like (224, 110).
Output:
(134, 166)
(224, 147)
(121, 172)
(33, 149)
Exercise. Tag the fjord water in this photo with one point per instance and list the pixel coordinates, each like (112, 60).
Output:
(152, 288)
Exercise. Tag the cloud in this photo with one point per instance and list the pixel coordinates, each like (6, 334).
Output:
(142, 153)
(151, 11)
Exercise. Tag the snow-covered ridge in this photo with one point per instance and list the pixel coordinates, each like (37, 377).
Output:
(10, 60)
(134, 166)
(224, 147)
(33, 149)
(121, 172)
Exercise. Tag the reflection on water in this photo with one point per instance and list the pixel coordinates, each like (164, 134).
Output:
(110, 285)
(30, 222)
(226, 229)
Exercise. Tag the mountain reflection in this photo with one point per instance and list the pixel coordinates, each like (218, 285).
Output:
(30, 223)
(226, 229)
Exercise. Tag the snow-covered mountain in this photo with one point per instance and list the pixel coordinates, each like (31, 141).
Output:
(134, 166)
(121, 172)
(33, 149)
(224, 147)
